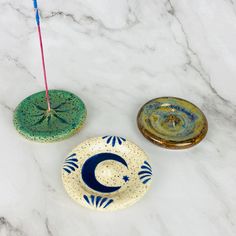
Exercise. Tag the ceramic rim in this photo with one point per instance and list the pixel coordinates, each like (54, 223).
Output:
(106, 173)
(189, 127)
(34, 122)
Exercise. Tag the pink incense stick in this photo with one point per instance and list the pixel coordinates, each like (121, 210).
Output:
(42, 52)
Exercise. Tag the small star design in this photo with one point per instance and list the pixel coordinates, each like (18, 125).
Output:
(126, 178)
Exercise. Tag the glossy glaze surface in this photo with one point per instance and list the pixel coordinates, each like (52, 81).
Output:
(107, 173)
(33, 120)
(172, 122)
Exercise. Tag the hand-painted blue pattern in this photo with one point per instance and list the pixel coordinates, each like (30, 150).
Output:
(70, 163)
(126, 178)
(89, 169)
(98, 202)
(113, 140)
(145, 173)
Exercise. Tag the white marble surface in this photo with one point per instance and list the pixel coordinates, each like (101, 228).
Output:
(116, 55)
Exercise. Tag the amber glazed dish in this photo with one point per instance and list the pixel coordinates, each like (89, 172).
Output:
(172, 122)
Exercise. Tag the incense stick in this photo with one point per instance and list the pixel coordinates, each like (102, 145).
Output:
(42, 52)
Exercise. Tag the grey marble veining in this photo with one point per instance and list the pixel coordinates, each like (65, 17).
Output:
(116, 55)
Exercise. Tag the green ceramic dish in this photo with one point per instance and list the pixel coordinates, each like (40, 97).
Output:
(172, 122)
(35, 122)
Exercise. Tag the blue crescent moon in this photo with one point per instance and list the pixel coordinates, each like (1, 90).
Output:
(89, 167)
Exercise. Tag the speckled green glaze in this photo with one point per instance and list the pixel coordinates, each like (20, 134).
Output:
(172, 122)
(34, 122)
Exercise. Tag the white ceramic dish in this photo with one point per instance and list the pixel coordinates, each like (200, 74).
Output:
(106, 173)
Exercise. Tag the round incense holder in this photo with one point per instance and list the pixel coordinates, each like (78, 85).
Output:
(172, 123)
(33, 120)
(107, 173)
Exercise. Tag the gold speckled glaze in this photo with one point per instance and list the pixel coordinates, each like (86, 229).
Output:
(172, 122)
(106, 173)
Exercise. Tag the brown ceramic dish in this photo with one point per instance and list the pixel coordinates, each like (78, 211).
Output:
(172, 123)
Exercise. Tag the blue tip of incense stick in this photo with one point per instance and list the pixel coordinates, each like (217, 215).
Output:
(37, 17)
(36, 11)
(35, 4)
